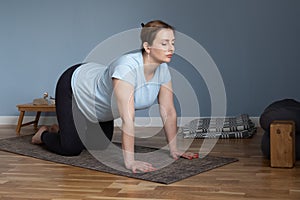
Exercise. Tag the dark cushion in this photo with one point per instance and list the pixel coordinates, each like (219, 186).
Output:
(286, 109)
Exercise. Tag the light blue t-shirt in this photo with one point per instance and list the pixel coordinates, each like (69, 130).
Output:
(92, 86)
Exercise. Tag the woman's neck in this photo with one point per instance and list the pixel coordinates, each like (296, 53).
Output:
(149, 65)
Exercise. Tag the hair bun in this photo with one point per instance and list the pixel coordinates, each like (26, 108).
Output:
(142, 24)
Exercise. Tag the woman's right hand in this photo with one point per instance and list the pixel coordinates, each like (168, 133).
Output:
(140, 166)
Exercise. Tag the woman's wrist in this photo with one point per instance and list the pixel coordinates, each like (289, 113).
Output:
(172, 145)
(128, 158)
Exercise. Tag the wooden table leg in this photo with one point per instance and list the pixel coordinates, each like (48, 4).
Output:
(37, 118)
(20, 122)
(29, 107)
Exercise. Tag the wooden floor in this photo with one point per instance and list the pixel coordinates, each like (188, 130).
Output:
(249, 178)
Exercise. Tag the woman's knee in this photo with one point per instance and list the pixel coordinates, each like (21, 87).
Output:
(72, 147)
(71, 151)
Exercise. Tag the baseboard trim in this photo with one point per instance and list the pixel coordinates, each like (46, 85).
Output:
(139, 121)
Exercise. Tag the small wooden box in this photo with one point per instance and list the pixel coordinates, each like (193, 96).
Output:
(282, 143)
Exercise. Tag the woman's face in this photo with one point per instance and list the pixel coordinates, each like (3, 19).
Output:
(162, 47)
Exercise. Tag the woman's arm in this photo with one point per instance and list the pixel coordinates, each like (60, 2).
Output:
(124, 94)
(168, 114)
(169, 118)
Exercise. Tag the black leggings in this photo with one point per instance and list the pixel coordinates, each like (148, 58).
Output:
(75, 131)
(286, 109)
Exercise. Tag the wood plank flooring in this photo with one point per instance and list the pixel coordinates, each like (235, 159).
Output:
(250, 178)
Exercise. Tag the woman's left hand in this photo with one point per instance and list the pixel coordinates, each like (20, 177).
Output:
(188, 155)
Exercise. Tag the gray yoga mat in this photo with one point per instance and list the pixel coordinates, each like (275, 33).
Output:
(168, 172)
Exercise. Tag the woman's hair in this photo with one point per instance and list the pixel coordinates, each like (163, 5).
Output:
(150, 30)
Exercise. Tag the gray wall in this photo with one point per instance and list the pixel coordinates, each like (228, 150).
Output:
(254, 43)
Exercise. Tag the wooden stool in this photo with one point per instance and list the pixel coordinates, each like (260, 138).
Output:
(282, 143)
(32, 108)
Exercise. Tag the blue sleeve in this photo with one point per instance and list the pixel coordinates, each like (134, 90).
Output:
(124, 69)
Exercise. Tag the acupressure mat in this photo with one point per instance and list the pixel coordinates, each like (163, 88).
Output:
(169, 172)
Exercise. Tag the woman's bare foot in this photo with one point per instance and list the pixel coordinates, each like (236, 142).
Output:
(36, 139)
(54, 128)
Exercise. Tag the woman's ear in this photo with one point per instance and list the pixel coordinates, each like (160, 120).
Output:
(146, 46)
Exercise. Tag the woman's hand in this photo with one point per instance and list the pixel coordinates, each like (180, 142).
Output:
(188, 155)
(140, 166)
